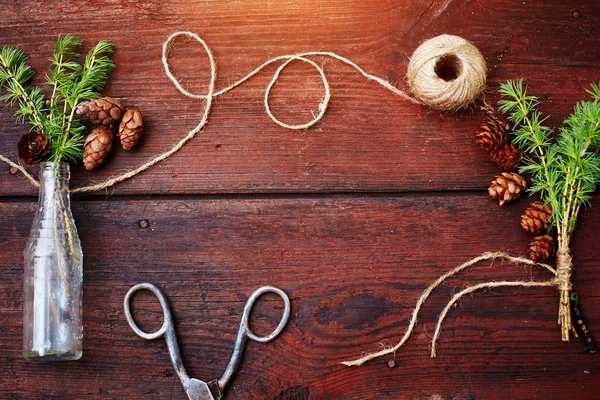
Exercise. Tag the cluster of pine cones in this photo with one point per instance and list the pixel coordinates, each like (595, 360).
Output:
(535, 221)
(104, 114)
(492, 137)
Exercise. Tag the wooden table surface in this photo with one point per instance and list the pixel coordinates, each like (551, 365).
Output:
(353, 218)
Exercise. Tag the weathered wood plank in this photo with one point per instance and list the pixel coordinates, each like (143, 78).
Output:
(368, 141)
(353, 268)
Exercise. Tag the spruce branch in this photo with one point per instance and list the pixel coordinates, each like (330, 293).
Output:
(534, 139)
(84, 84)
(565, 172)
(71, 83)
(62, 61)
(15, 75)
(578, 145)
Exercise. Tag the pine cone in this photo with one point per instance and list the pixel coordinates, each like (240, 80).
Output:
(131, 128)
(97, 146)
(536, 217)
(491, 135)
(34, 147)
(541, 248)
(507, 157)
(507, 187)
(104, 111)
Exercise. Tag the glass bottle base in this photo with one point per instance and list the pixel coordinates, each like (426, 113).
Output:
(54, 356)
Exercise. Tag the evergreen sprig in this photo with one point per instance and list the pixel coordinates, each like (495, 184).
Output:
(15, 75)
(564, 171)
(71, 84)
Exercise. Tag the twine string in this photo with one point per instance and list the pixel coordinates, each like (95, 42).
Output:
(564, 264)
(455, 298)
(208, 103)
(427, 87)
(20, 168)
(322, 106)
(474, 288)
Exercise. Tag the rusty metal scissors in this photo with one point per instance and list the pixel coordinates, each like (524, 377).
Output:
(195, 388)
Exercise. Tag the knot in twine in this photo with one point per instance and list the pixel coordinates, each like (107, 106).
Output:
(445, 73)
(564, 264)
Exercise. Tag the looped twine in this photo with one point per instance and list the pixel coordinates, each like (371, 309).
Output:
(208, 99)
(322, 106)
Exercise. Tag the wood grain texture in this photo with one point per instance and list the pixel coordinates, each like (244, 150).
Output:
(353, 218)
(368, 141)
(353, 268)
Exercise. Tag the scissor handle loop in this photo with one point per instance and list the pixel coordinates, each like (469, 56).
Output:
(248, 310)
(168, 320)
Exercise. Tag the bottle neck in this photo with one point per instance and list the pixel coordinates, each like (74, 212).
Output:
(54, 183)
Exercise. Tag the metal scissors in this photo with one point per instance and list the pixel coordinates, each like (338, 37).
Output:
(195, 388)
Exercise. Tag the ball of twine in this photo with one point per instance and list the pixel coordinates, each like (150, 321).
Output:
(446, 73)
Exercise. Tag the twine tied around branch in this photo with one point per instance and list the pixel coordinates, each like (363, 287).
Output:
(470, 289)
(564, 264)
(445, 73)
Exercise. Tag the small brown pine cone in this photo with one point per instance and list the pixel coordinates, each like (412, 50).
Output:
(34, 147)
(97, 146)
(508, 157)
(507, 186)
(536, 217)
(103, 111)
(491, 135)
(541, 248)
(131, 128)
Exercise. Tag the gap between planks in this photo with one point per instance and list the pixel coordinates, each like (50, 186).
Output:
(259, 196)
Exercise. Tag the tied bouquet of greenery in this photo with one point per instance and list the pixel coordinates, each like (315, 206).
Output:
(57, 133)
(564, 168)
(60, 118)
(564, 171)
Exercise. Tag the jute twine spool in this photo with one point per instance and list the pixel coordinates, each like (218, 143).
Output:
(445, 73)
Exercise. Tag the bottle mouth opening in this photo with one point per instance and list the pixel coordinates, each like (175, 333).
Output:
(50, 169)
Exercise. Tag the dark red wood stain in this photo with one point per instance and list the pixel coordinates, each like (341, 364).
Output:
(353, 218)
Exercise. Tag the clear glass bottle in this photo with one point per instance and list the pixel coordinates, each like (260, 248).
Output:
(52, 328)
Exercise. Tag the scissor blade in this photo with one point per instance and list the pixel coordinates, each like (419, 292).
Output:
(198, 390)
